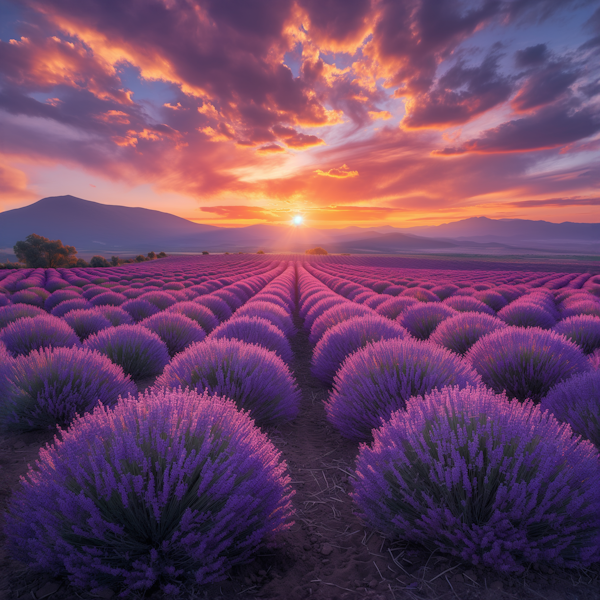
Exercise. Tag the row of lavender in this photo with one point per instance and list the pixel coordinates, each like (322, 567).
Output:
(471, 417)
(492, 481)
(172, 485)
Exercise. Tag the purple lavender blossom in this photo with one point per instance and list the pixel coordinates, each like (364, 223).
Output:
(201, 314)
(161, 300)
(27, 334)
(492, 482)
(108, 299)
(254, 330)
(394, 306)
(523, 313)
(176, 330)
(421, 320)
(4, 301)
(216, 305)
(380, 378)
(60, 296)
(255, 378)
(421, 294)
(307, 304)
(444, 291)
(320, 307)
(468, 304)
(495, 300)
(49, 387)
(273, 313)
(576, 401)
(335, 315)
(583, 307)
(165, 488)
(139, 309)
(375, 301)
(116, 315)
(347, 337)
(583, 330)
(27, 297)
(232, 300)
(60, 310)
(86, 322)
(273, 299)
(460, 332)
(138, 351)
(525, 363)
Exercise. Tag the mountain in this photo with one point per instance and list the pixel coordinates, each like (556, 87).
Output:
(93, 226)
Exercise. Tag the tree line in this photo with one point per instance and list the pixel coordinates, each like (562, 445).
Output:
(37, 252)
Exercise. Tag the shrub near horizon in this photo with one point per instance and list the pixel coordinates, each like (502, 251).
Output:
(492, 482)
(186, 487)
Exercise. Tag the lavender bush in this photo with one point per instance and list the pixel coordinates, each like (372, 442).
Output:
(345, 338)
(27, 297)
(527, 314)
(583, 330)
(14, 312)
(379, 379)
(59, 296)
(175, 330)
(139, 309)
(394, 306)
(116, 315)
(320, 307)
(255, 378)
(468, 304)
(306, 305)
(27, 334)
(525, 363)
(161, 300)
(576, 401)
(108, 299)
(138, 351)
(460, 332)
(86, 322)
(420, 320)
(492, 482)
(421, 294)
(60, 310)
(495, 300)
(49, 387)
(335, 315)
(216, 305)
(202, 315)
(168, 488)
(273, 313)
(254, 330)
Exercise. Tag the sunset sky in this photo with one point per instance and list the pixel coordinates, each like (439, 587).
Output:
(348, 112)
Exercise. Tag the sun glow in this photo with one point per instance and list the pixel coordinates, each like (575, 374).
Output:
(298, 220)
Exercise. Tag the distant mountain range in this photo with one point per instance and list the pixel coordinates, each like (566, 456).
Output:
(105, 229)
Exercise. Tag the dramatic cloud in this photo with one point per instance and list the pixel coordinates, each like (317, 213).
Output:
(385, 110)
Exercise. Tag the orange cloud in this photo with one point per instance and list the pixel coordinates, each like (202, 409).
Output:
(342, 173)
(270, 149)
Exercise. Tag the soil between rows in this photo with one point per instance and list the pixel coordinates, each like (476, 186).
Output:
(328, 553)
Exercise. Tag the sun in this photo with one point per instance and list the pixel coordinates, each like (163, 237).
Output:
(298, 220)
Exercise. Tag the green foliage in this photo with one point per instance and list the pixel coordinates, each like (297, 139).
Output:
(140, 258)
(161, 255)
(37, 251)
(99, 261)
(152, 255)
(317, 250)
(114, 261)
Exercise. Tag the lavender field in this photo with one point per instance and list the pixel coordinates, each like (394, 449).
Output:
(286, 426)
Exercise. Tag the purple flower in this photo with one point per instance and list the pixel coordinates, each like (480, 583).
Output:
(583, 330)
(335, 315)
(255, 378)
(108, 299)
(525, 363)
(421, 320)
(49, 387)
(27, 334)
(522, 313)
(421, 294)
(4, 301)
(310, 301)
(495, 300)
(254, 330)
(59, 296)
(394, 306)
(379, 379)
(468, 304)
(27, 297)
(375, 301)
(576, 401)
(176, 330)
(165, 488)
(139, 309)
(85, 322)
(216, 305)
(231, 299)
(161, 300)
(347, 337)
(116, 315)
(460, 332)
(273, 313)
(444, 290)
(492, 482)
(138, 351)
(320, 307)
(60, 310)
(201, 314)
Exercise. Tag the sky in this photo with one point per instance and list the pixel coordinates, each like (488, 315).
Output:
(345, 112)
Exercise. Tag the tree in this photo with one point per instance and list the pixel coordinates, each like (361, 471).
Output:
(82, 263)
(140, 258)
(205, 252)
(317, 250)
(40, 252)
(260, 252)
(99, 261)
(151, 255)
(114, 261)
(161, 255)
